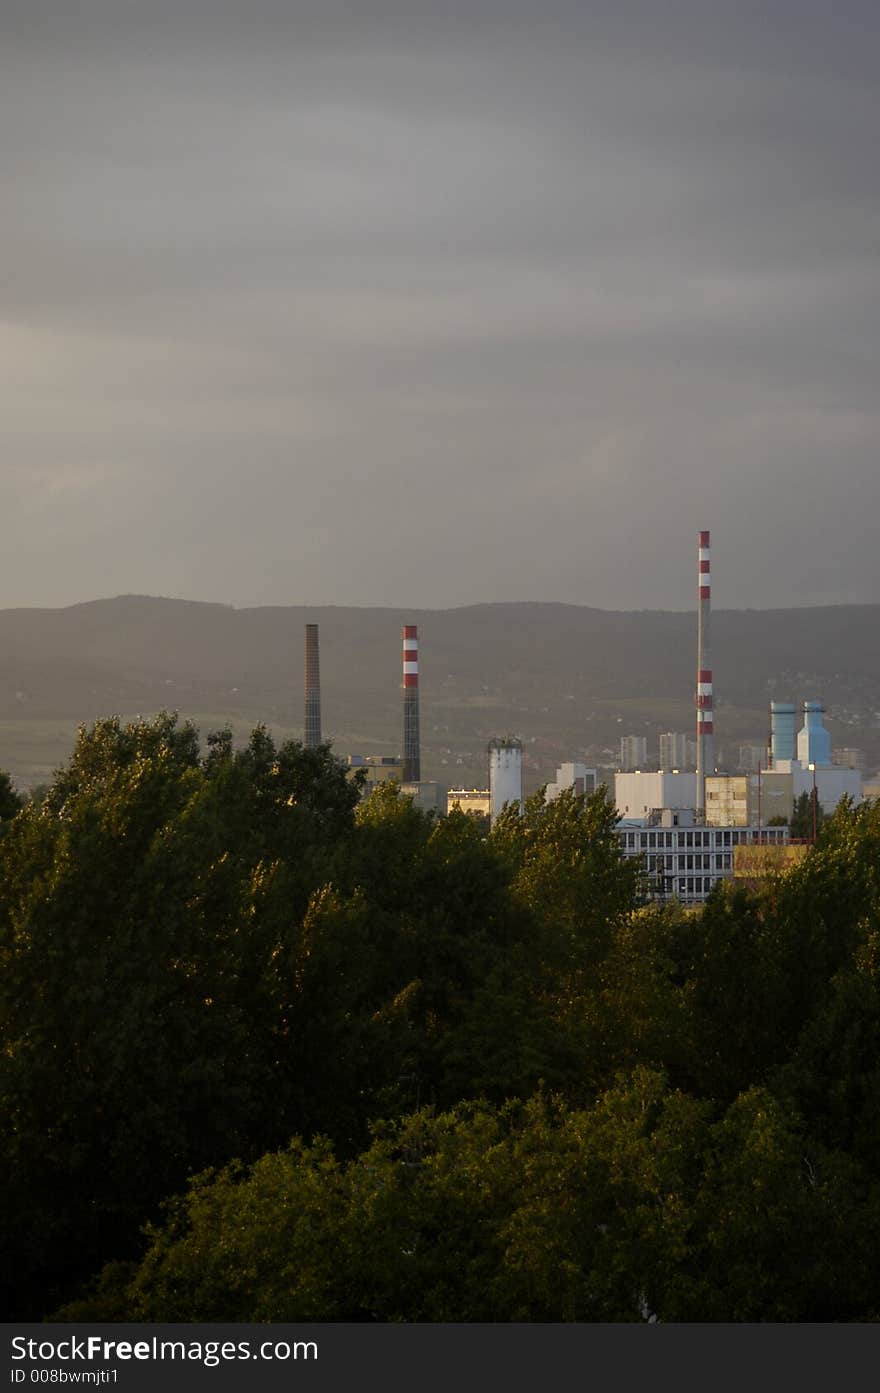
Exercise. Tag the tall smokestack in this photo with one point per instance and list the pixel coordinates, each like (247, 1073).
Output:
(705, 727)
(411, 760)
(313, 689)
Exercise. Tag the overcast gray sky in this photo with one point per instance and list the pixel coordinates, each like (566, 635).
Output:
(438, 303)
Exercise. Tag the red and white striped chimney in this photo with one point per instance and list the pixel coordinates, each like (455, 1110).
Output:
(705, 725)
(411, 756)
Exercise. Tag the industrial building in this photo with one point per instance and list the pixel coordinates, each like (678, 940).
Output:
(812, 770)
(685, 860)
(643, 793)
(574, 776)
(693, 830)
(747, 800)
(378, 769)
(427, 795)
(814, 742)
(687, 826)
(831, 783)
(469, 800)
(691, 824)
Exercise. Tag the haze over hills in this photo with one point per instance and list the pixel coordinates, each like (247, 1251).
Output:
(569, 680)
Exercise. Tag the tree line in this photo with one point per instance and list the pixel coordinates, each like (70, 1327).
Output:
(274, 1052)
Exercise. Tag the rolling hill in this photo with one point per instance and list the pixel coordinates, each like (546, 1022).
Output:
(569, 680)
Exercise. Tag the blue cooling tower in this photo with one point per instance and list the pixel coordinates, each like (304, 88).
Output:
(814, 742)
(781, 730)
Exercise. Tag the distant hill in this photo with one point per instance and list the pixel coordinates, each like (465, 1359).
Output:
(568, 679)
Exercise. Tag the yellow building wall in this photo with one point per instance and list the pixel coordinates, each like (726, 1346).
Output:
(754, 863)
(727, 800)
(468, 800)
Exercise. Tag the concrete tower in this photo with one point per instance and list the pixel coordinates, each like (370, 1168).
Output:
(411, 756)
(312, 736)
(782, 744)
(705, 724)
(505, 774)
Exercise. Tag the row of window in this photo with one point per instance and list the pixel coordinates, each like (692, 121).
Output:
(690, 861)
(689, 886)
(708, 837)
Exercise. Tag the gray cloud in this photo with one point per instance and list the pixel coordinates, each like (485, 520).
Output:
(439, 304)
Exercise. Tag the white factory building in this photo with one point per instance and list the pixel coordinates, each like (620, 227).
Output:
(687, 827)
(686, 861)
(832, 782)
(684, 855)
(640, 794)
(574, 776)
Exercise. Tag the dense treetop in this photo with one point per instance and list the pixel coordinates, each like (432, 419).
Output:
(274, 1053)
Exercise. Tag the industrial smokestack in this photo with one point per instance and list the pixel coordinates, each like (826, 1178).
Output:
(705, 726)
(411, 758)
(313, 689)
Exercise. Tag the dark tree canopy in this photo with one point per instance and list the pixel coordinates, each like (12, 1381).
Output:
(10, 799)
(476, 1064)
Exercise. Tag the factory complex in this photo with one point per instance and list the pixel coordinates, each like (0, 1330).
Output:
(691, 827)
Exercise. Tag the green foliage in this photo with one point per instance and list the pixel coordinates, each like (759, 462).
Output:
(205, 955)
(10, 799)
(144, 906)
(644, 1206)
(568, 868)
(418, 978)
(834, 1073)
(642, 1011)
(805, 818)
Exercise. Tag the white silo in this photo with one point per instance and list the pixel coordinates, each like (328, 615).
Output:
(505, 774)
